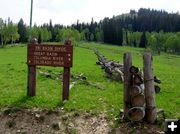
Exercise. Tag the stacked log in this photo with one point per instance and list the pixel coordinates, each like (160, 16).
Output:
(137, 111)
(156, 86)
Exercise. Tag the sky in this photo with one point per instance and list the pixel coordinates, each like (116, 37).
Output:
(67, 12)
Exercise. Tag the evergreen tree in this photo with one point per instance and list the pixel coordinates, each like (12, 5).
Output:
(143, 40)
(1, 32)
(39, 38)
(22, 31)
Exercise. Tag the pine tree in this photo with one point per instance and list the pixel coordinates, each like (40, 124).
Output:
(39, 38)
(143, 40)
(22, 31)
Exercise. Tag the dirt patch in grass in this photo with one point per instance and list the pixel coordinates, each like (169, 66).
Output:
(137, 128)
(59, 121)
(35, 121)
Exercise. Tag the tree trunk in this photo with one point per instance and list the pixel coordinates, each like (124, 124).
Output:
(127, 83)
(149, 88)
(1, 41)
(11, 40)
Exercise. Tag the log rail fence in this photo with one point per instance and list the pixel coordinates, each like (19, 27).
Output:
(140, 86)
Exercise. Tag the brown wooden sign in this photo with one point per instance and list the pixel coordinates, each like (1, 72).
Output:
(49, 55)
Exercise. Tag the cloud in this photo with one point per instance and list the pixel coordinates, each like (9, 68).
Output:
(69, 11)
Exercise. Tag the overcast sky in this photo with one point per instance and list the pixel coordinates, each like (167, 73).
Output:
(69, 11)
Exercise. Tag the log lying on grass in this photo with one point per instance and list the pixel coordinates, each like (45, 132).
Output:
(55, 76)
(75, 79)
(112, 68)
(115, 71)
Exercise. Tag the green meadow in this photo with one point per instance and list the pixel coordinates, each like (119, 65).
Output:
(13, 81)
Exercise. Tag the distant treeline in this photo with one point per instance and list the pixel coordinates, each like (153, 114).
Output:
(158, 30)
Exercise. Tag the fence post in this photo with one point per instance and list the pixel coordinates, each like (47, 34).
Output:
(149, 88)
(127, 59)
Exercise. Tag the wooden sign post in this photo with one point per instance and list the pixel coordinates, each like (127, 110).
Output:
(31, 87)
(49, 55)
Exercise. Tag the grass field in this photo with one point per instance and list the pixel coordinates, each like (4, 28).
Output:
(13, 81)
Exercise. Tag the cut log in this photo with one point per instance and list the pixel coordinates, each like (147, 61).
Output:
(72, 85)
(136, 113)
(134, 70)
(108, 70)
(157, 80)
(119, 74)
(137, 79)
(118, 71)
(149, 88)
(98, 63)
(127, 83)
(138, 100)
(115, 64)
(136, 90)
(157, 88)
(54, 76)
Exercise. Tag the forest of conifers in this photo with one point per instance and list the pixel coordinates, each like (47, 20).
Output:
(157, 30)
